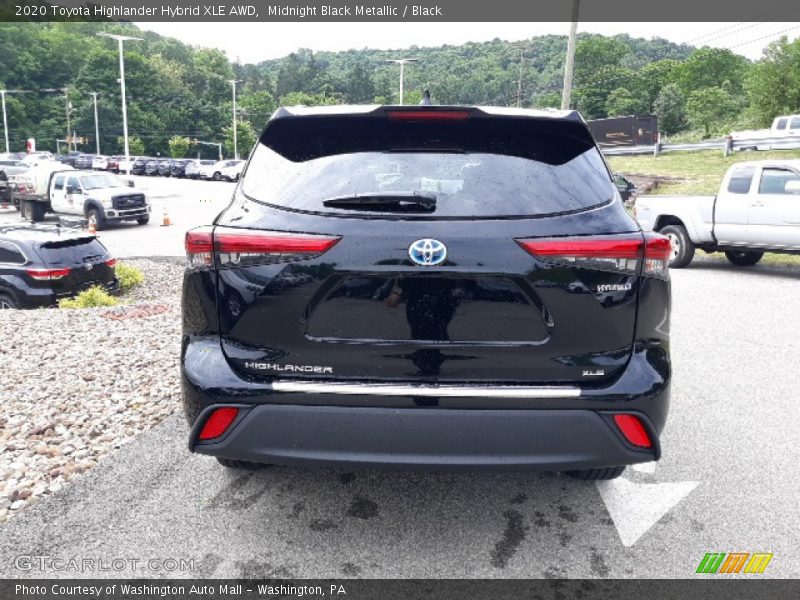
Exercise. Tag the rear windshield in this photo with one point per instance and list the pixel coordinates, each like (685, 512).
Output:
(71, 251)
(493, 168)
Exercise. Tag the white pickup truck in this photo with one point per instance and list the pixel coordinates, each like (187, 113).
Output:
(756, 210)
(784, 126)
(101, 198)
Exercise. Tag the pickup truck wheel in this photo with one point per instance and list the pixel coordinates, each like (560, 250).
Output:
(32, 211)
(682, 247)
(217, 176)
(93, 216)
(743, 258)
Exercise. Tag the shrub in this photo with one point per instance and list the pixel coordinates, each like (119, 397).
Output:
(128, 276)
(89, 298)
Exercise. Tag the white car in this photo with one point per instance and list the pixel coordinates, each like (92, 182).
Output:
(194, 168)
(784, 126)
(99, 162)
(233, 170)
(215, 171)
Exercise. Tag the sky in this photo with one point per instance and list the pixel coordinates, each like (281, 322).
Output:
(255, 42)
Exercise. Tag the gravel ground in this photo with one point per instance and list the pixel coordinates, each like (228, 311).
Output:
(78, 384)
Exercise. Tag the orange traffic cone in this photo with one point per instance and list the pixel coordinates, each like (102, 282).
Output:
(92, 228)
(166, 222)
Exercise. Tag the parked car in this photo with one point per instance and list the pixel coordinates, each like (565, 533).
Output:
(195, 167)
(756, 210)
(787, 126)
(41, 264)
(177, 167)
(5, 189)
(101, 198)
(151, 167)
(214, 171)
(426, 316)
(11, 156)
(99, 162)
(139, 166)
(68, 158)
(84, 161)
(232, 170)
(165, 167)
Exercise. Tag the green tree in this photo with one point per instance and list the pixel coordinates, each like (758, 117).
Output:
(670, 106)
(135, 145)
(622, 102)
(708, 68)
(245, 138)
(597, 53)
(709, 107)
(302, 98)
(179, 146)
(360, 88)
(773, 84)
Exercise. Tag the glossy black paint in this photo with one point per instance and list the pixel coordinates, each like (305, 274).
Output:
(87, 265)
(492, 314)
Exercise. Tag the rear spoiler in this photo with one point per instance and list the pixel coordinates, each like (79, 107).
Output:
(300, 134)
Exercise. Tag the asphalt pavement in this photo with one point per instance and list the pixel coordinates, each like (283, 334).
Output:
(727, 481)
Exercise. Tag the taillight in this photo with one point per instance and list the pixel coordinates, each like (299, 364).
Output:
(427, 115)
(242, 247)
(631, 427)
(657, 250)
(111, 262)
(47, 274)
(605, 253)
(218, 422)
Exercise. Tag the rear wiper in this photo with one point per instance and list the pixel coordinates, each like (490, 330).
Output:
(385, 201)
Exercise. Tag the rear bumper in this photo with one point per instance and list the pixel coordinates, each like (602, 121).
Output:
(352, 437)
(546, 428)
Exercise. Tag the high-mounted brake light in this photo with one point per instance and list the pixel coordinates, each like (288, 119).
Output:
(427, 115)
(218, 423)
(233, 246)
(631, 427)
(47, 274)
(612, 253)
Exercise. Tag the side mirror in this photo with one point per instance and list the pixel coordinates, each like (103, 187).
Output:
(71, 189)
(792, 186)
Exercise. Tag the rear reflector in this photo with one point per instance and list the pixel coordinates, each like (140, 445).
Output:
(47, 274)
(244, 247)
(427, 115)
(610, 253)
(633, 430)
(218, 423)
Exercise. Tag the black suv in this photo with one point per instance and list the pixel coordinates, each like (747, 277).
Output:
(427, 286)
(139, 166)
(41, 264)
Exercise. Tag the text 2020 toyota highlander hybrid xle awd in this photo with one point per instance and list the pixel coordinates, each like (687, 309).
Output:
(427, 286)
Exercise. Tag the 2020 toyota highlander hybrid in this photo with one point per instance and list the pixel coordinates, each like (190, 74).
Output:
(426, 287)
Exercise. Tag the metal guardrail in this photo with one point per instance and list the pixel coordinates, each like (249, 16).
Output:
(727, 145)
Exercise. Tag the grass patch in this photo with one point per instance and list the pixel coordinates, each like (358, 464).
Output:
(89, 298)
(700, 172)
(129, 277)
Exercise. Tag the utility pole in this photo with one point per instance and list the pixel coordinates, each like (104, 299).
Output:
(5, 120)
(233, 83)
(402, 62)
(519, 81)
(120, 39)
(570, 65)
(96, 123)
(69, 109)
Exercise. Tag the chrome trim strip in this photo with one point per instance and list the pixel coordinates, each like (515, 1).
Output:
(425, 390)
